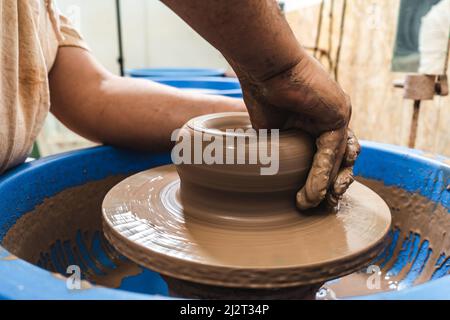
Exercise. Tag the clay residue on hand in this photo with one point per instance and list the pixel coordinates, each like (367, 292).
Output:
(331, 173)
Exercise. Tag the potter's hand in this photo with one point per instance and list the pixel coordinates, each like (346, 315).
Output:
(305, 97)
(282, 85)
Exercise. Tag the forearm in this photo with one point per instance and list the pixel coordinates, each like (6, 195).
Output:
(131, 113)
(252, 34)
(140, 114)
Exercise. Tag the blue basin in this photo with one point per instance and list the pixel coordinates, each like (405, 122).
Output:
(175, 72)
(31, 185)
(228, 87)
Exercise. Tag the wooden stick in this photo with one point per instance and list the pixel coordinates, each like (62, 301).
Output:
(414, 124)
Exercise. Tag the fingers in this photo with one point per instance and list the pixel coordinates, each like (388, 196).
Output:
(345, 177)
(327, 160)
(353, 149)
(343, 180)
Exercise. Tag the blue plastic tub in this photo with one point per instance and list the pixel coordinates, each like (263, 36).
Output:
(175, 72)
(228, 87)
(29, 185)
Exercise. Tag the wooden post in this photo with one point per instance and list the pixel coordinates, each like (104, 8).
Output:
(418, 88)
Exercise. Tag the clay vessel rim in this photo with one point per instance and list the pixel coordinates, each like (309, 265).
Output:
(198, 124)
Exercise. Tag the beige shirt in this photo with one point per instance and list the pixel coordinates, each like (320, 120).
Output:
(31, 31)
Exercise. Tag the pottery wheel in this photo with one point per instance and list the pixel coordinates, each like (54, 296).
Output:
(144, 219)
(259, 244)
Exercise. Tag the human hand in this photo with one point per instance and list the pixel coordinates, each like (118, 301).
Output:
(304, 96)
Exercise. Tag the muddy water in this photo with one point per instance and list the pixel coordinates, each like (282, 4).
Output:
(66, 229)
(419, 246)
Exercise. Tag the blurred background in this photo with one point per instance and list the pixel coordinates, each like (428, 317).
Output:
(367, 45)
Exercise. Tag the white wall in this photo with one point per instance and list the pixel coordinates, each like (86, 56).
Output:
(172, 42)
(153, 35)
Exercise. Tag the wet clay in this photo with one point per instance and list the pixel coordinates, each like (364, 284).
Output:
(28, 242)
(418, 251)
(218, 226)
(250, 249)
(63, 231)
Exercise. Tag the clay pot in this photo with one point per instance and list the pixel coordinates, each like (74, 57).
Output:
(236, 191)
(295, 150)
